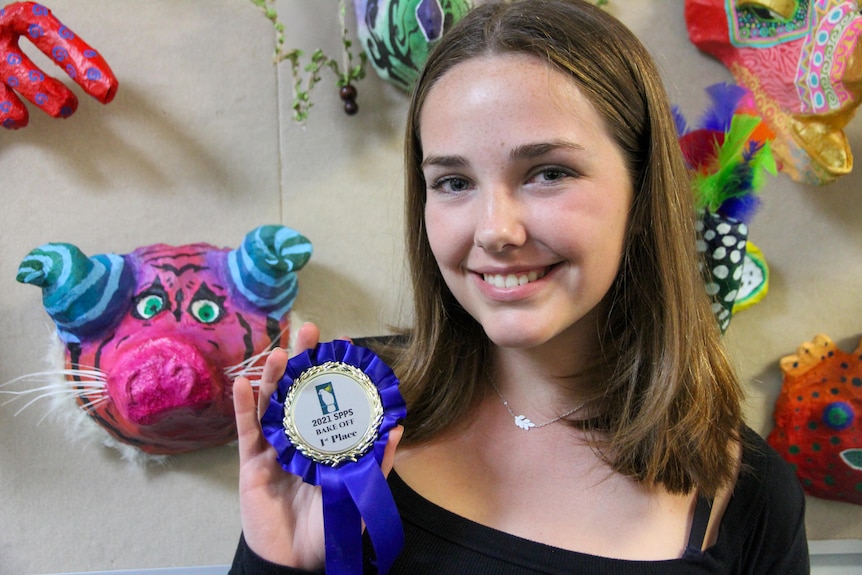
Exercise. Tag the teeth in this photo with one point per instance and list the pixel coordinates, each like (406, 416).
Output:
(512, 280)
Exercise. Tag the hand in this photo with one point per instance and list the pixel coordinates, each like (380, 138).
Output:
(282, 516)
(19, 74)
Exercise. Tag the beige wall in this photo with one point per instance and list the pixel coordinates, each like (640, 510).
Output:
(199, 146)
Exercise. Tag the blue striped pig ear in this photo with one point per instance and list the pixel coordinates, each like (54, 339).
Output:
(263, 267)
(84, 296)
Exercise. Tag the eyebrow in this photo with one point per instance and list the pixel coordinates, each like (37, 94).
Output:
(524, 151)
(528, 151)
(444, 161)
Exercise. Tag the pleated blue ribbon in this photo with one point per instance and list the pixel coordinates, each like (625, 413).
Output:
(352, 490)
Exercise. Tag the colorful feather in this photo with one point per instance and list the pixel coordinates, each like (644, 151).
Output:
(738, 169)
(729, 154)
(725, 104)
(679, 120)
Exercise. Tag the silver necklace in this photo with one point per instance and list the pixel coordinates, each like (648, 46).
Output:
(523, 421)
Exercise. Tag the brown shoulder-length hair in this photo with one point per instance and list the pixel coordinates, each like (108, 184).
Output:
(667, 401)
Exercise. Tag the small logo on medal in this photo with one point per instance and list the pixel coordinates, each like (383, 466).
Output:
(326, 397)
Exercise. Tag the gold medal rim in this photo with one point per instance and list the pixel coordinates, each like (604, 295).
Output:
(360, 448)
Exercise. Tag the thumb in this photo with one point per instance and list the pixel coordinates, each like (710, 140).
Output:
(247, 422)
(388, 462)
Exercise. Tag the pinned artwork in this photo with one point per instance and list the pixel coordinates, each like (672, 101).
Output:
(729, 155)
(801, 61)
(397, 35)
(153, 339)
(18, 74)
(818, 419)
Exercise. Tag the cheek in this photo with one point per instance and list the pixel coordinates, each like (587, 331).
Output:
(444, 231)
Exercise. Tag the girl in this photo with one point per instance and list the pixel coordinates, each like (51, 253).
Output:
(571, 408)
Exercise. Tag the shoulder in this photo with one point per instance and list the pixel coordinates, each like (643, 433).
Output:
(767, 479)
(764, 525)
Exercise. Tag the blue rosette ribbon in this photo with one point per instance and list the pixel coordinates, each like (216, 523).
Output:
(354, 489)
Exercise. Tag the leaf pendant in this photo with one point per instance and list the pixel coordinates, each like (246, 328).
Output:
(523, 422)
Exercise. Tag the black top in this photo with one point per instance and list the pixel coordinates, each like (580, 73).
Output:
(762, 532)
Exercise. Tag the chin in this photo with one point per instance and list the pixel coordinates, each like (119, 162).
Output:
(515, 338)
(531, 332)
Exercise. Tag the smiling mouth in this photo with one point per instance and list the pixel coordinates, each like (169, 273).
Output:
(514, 280)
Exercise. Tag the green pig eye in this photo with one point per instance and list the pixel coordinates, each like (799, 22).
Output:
(149, 305)
(205, 311)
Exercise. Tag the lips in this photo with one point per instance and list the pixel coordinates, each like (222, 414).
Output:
(511, 280)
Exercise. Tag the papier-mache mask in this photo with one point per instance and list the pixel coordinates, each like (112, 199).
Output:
(818, 419)
(398, 34)
(729, 156)
(153, 339)
(18, 74)
(802, 61)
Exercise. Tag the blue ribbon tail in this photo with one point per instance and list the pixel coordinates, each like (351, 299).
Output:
(342, 524)
(371, 494)
(353, 490)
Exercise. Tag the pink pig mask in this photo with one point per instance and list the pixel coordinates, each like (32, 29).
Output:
(153, 339)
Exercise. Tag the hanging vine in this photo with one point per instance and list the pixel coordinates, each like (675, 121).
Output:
(306, 76)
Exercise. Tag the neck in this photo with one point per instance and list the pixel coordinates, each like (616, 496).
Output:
(534, 383)
(554, 360)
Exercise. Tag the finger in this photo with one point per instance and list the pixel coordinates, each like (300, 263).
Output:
(276, 362)
(48, 93)
(77, 58)
(13, 112)
(273, 370)
(248, 429)
(388, 461)
(307, 338)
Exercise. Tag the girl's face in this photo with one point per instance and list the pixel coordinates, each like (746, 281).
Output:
(527, 199)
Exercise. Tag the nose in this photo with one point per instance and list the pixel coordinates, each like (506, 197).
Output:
(500, 224)
(160, 377)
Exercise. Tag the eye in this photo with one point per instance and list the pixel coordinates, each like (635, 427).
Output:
(205, 311)
(838, 415)
(551, 175)
(149, 305)
(770, 10)
(451, 185)
(207, 306)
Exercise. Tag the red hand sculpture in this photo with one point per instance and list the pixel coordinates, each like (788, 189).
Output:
(19, 74)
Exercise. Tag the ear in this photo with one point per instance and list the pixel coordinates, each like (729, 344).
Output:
(84, 296)
(262, 270)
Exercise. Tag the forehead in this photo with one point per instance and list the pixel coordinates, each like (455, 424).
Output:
(514, 96)
(516, 72)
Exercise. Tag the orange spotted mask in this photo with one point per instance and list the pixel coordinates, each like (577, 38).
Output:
(818, 419)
